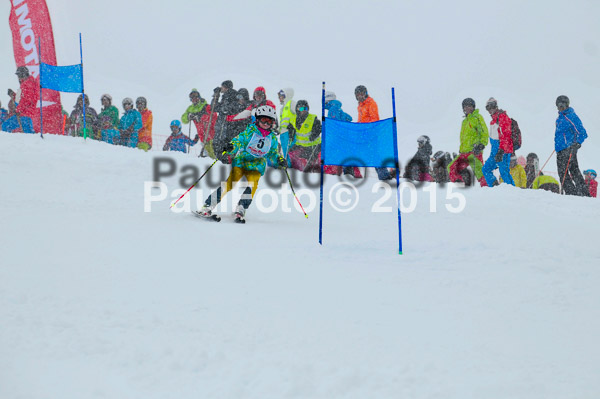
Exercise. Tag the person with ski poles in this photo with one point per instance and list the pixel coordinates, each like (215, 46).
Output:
(251, 150)
(502, 145)
(568, 137)
(178, 141)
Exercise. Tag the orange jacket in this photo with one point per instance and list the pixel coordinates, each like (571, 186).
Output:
(367, 111)
(145, 133)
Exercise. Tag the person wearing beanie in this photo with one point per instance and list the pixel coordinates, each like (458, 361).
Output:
(517, 172)
(108, 120)
(521, 160)
(568, 137)
(502, 145)
(473, 139)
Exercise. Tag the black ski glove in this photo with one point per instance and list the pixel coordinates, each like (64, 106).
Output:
(228, 147)
(478, 149)
(499, 155)
(575, 146)
(281, 162)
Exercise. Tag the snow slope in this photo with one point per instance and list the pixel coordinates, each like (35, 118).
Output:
(99, 299)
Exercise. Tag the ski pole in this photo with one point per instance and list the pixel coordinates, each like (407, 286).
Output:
(200, 178)
(292, 187)
(566, 171)
(540, 171)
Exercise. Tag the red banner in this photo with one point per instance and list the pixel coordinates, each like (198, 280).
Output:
(30, 24)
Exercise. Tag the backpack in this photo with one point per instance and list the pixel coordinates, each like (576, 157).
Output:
(515, 134)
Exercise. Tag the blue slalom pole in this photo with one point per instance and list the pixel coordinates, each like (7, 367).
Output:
(82, 88)
(322, 164)
(41, 108)
(397, 173)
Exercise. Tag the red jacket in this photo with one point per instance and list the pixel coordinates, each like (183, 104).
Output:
(593, 187)
(367, 111)
(30, 96)
(504, 131)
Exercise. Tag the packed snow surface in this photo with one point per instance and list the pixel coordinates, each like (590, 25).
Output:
(99, 299)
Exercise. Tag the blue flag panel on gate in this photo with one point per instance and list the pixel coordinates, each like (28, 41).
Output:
(358, 144)
(62, 78)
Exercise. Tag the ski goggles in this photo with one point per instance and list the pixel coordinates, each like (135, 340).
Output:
(301, 109)
(265, 120)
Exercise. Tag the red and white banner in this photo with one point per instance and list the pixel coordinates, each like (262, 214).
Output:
(30, 24)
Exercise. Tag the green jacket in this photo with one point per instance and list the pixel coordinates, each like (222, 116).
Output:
(108, 118)
(473, 131)
(193, 109)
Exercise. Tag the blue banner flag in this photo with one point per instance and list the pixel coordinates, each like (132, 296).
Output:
(62, 78)
(359, 144)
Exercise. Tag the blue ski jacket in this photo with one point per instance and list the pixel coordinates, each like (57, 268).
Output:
(569, 130)
(335, 111)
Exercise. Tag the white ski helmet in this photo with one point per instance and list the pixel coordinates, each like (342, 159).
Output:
(266, 110)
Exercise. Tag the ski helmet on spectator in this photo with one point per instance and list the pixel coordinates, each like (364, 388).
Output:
(175, 122)
(422, 140)
(243, 94)
(590, 172)
(141, 100)
(127, 101)
(361, 89)
(491, 104)
(468, 102)
(438, 155)
(329, 96)
(107, 96)
(266, 110)
(563, 99)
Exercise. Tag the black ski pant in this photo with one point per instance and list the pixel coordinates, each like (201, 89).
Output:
(568, 169)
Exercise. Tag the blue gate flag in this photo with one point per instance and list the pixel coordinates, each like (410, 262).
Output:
(359, 144)
(62, 78)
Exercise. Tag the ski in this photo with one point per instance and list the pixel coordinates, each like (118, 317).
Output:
(212, 217)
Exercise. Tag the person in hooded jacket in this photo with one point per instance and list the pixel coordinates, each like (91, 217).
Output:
(473, 139)
(286, 114)
(518, 173)
(502, 145)
(26, 100)
(305, 132)
(568, 137)
(225, 107)
(76, 119)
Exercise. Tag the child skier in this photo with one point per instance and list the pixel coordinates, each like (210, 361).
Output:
(590, 180)
(251, 150)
